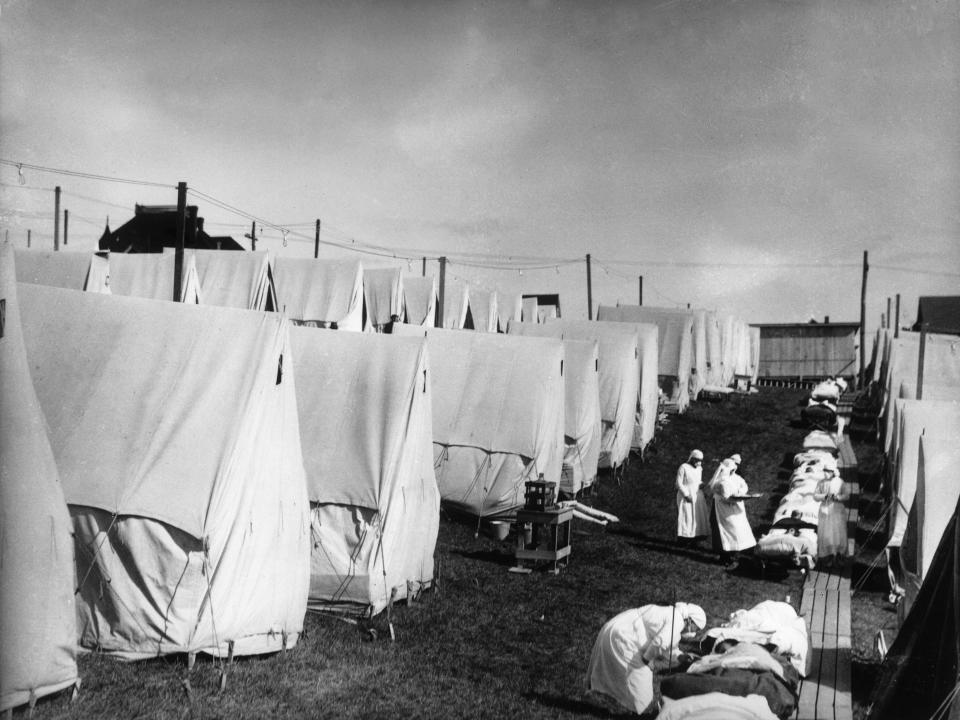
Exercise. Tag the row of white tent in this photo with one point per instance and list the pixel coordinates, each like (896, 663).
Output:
(698, 348)
(921, 442)
(221, 469)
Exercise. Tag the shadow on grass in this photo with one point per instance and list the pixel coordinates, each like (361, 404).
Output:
(586, 707)
(642, 540)
(490, 556)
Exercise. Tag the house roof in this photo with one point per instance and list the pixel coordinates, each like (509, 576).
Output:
(939, 313)
(154, 227)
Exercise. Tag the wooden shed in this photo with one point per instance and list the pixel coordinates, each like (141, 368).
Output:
(811, 350)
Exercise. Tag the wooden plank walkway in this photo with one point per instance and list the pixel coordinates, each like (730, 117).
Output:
(826, 692)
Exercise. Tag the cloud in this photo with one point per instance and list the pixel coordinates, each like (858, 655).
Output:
(475, 108)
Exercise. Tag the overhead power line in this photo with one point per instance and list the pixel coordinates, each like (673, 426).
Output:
(21, 166)
(490, 261)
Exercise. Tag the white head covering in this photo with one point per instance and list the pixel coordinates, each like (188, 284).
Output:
(689, 611)
(695, 455)
(736, 458)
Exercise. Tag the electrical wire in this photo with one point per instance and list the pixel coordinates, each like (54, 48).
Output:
(490, 261)
(75, 173)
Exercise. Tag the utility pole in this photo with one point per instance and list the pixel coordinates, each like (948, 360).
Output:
(896, 326)
(923, 351)
(423, 271)
(28, 238)
(56, 218)
(889, 316)
(640, 297)
(863, 319)
(178, 239)
(253, 236)
(66, 225)
(316, 241)
(443, 282)
(589, 291)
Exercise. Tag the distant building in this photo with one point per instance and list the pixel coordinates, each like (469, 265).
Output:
(799, 351)
(939, 314)
(154, 227)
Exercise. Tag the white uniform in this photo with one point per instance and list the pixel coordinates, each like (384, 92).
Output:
(735, 532)
(693, 516)
(626, 644)
(832, 517)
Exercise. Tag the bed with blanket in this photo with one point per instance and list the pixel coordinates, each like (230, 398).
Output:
(792, 538)
(739, 669)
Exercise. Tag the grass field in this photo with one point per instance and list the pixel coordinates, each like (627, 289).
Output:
(487, 643)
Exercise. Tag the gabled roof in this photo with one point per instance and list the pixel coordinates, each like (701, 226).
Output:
(939, 313)
(154, 227)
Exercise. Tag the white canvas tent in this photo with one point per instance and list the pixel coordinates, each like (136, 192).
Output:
(37, 612)
(619, 373)
(456, 302)
(933, 418)
(582, 418)
(54, 269)
(150, 275)
(420, 300)
(484, 310)
(934, 502)
(366, 429)
(237, 279)
(529, 310)
(675, 343)
(714, 335)
(931, 391)
(383, 297)
(175, 432)
(754, 353)
(497, 416)
(509, 308)
(941, 367)
(320, 292)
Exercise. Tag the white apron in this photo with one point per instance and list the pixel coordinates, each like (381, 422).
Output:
(735, 532)
(618, 663)
(693, 518)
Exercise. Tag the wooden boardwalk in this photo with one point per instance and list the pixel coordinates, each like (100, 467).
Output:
(826, 693)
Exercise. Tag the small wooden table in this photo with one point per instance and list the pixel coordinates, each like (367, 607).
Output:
(549, 541)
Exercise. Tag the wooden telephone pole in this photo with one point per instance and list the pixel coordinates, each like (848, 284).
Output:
(178, 239)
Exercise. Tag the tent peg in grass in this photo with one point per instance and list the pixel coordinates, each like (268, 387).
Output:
(223, 669)
(185, 681)
(393, 597)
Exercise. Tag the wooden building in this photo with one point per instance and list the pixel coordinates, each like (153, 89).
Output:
(938, 314)
(806, 351)
(154, 227)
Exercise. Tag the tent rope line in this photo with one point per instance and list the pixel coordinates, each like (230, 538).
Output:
(118, 599)
(208, 571)
(96, 553)
(318, 542)
(944, 707)
(876, 526)
(874, 564)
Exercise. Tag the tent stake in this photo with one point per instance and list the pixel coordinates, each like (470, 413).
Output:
(393, 597)
(223, 669)
(191, 658)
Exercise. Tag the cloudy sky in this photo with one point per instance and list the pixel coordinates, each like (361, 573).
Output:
(739, 155)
